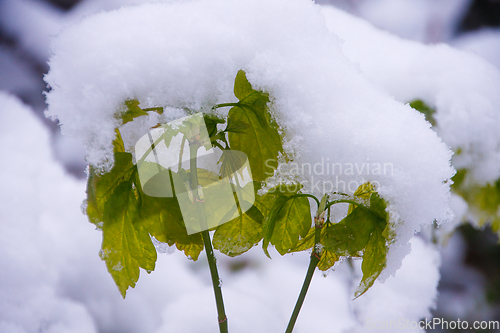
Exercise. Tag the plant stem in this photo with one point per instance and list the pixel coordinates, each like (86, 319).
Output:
(342, 201)
(215, 282)
(212, 263)
(315, 258)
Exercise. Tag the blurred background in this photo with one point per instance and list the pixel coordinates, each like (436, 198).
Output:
(470, 273)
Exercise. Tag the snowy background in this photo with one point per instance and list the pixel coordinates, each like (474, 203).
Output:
(52, 280)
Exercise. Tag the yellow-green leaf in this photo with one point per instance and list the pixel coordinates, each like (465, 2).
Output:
(238, 236)
(126, 244)
(260, 141)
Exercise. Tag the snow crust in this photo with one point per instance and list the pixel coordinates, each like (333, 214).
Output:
(53, 281)
(462, 87)
(186, 54)
(33, 248)
(483, 42)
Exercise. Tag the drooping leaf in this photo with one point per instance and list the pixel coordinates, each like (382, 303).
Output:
(375, 254)
(484, 201)
(374, 261)
(328, 259)
(133, 111)
(168, 135)
(364, 191)
(118, 145)
(126, 244)
(261, 141)
(242, 233)
(362, 233)
(231, 163)
(101, 187)
(292, 221)
(306, 242)
(255, 214)
(211, 122)
(289, 219)
(238, 236)
(163, 220)
(425, 109)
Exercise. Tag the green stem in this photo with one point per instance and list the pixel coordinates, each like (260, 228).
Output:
(150, 149)
(212, 263)
(158, 110)
(223, 105)
(342, 201)
(307, 196)
(315, 258)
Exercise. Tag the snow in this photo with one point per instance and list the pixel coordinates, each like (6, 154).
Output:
(484, 42)
(461, 86)
(186, 54)
(406, 298)
(52, 279)
(35, 190)
(427, 21)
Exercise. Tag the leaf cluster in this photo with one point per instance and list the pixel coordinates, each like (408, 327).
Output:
(484, 201)
(129, 218)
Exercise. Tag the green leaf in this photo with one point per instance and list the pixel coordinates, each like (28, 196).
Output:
(306, 242)
(242, 233)
(484, 201)
(351, 235)
(112, 204)
(163, 219)
(292, 221)
(364, 191)
(126, 244)
(238, 236)
(328, 259)
(101, 187)
(242, 88)
(289, 219)
(362, 233)
(425, 109)
(236, 126)
(133, 111)
(374, 261)
(375, 255)
(118, 145)
(255, 214)
(231, 163)
(261, 141)
(168, 135)
(211, 122)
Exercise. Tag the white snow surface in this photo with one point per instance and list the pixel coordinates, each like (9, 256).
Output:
(483, 42)
(462, 87)
(52, 279)
(187, 53)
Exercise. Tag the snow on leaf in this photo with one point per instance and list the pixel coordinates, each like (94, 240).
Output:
(238, 236)
(261, 141)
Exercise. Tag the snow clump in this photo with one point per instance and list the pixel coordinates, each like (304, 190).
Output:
(340, 128)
